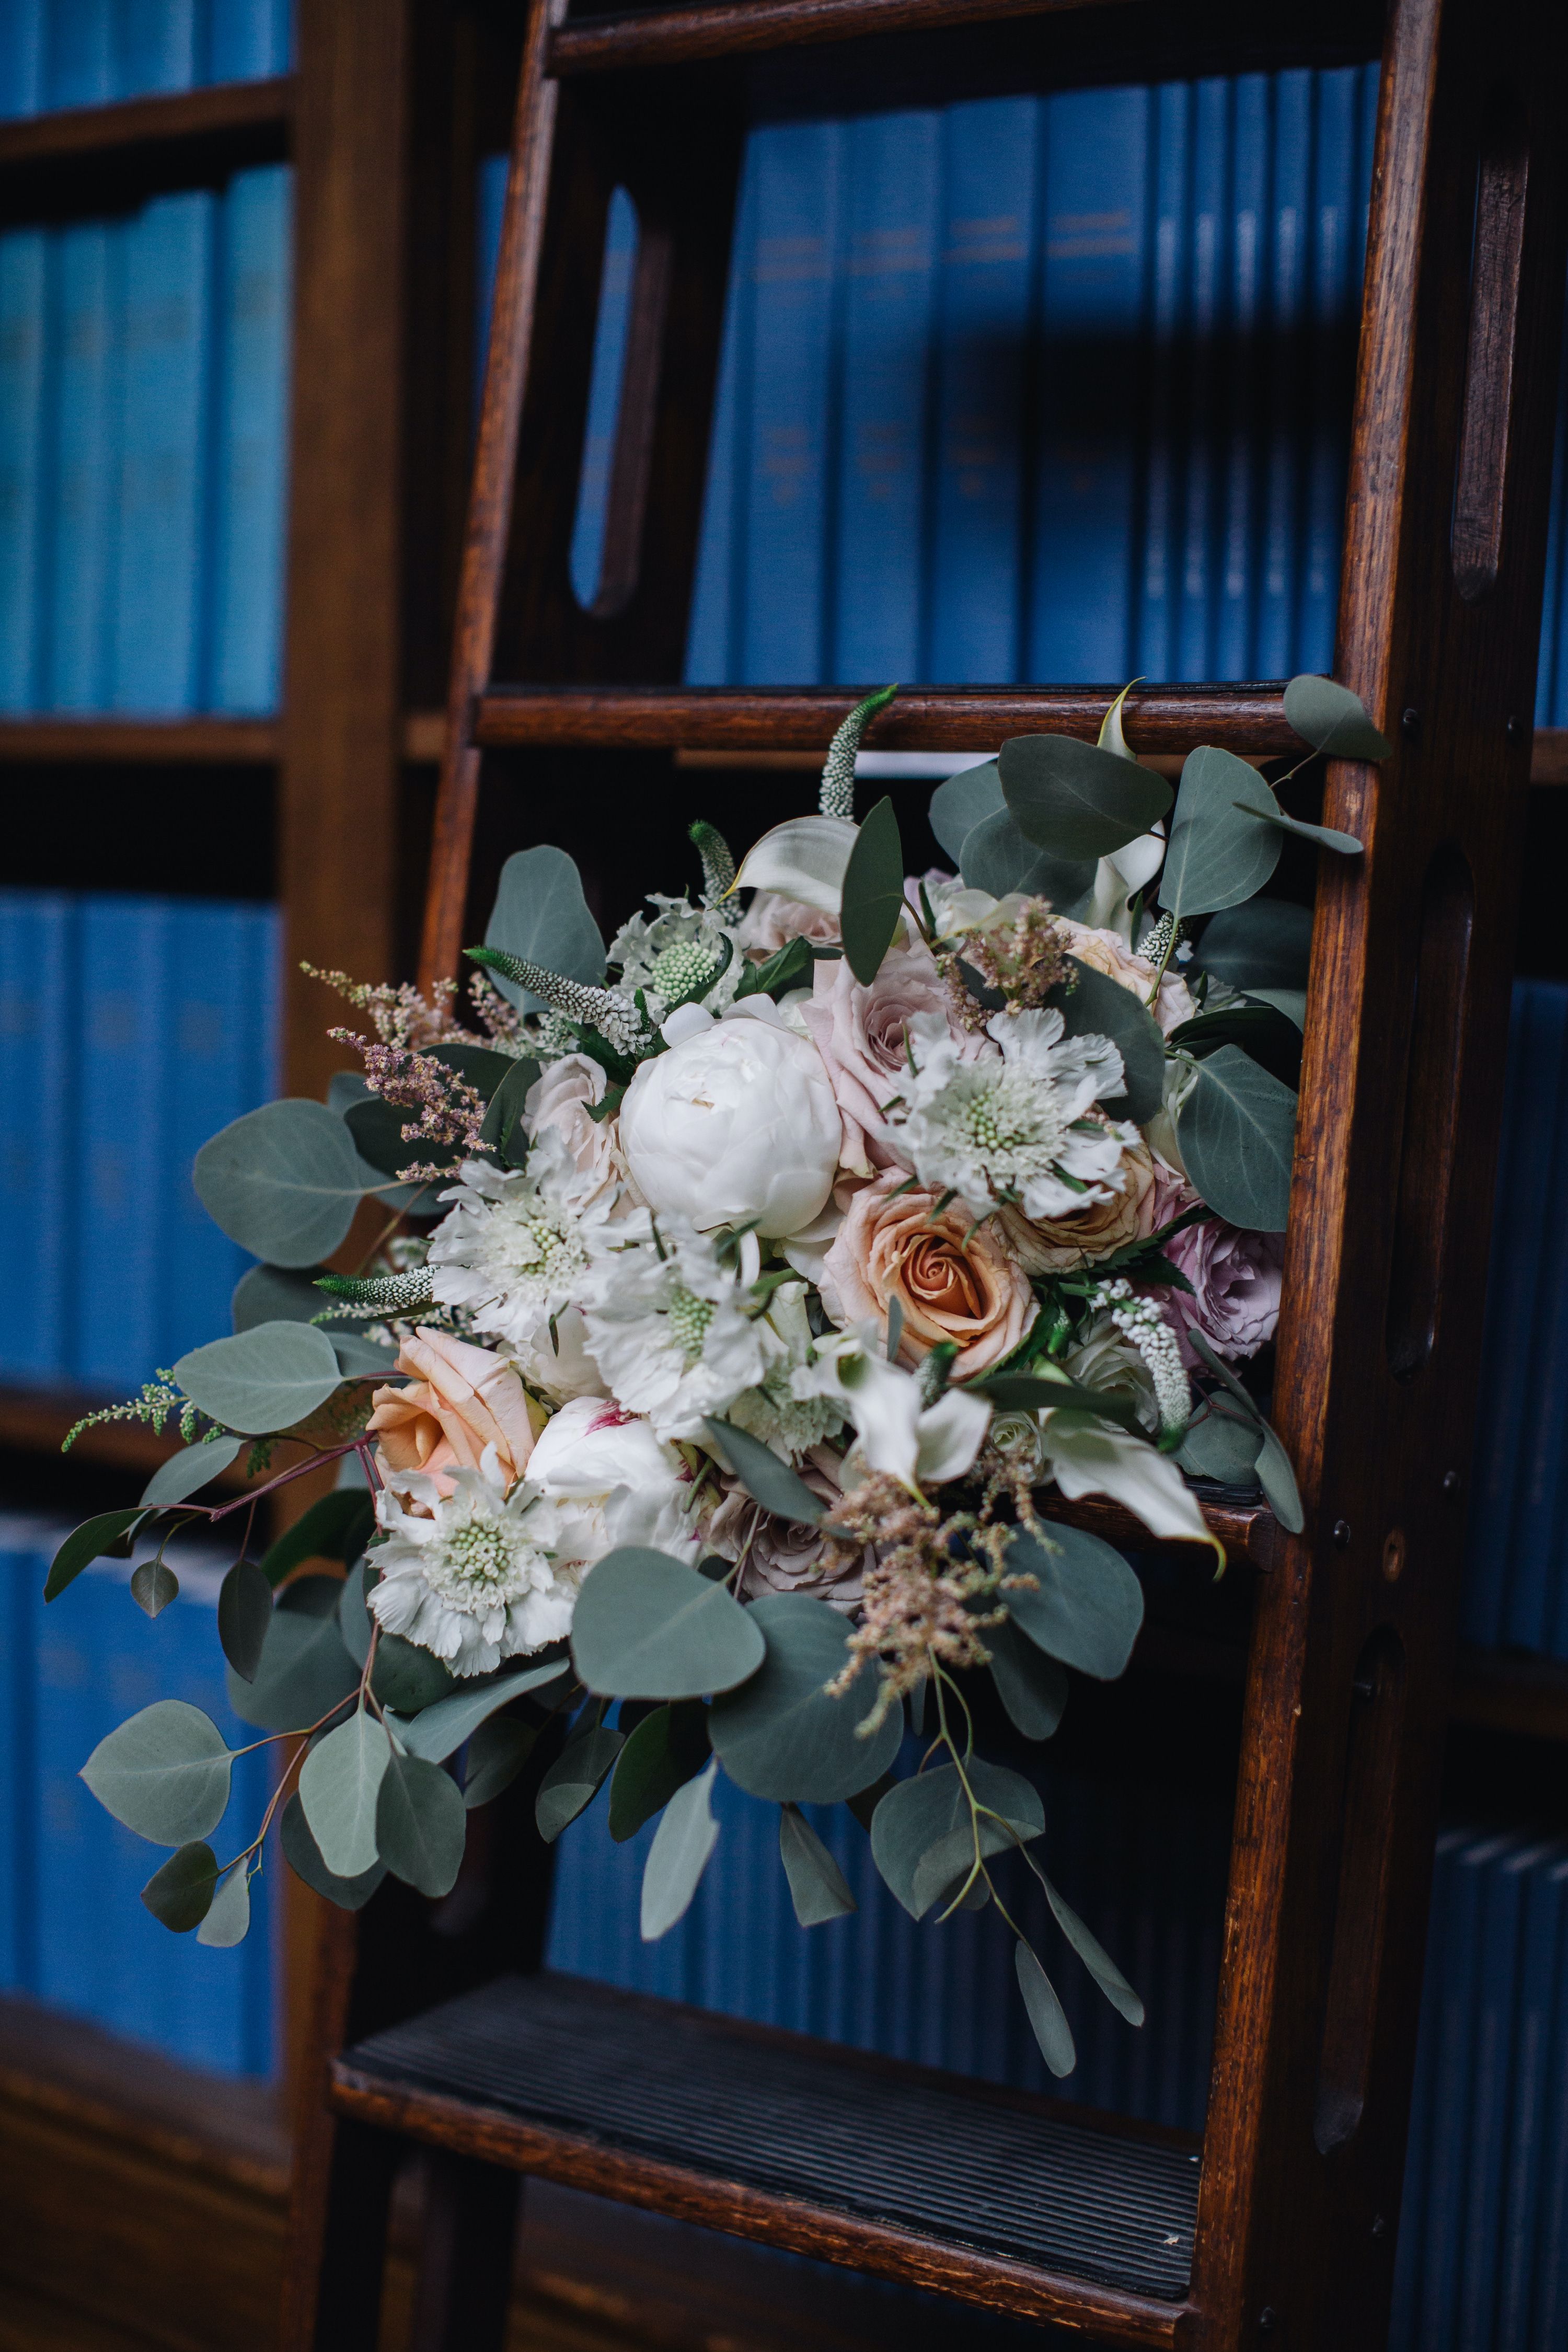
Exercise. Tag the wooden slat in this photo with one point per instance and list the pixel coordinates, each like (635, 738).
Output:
(1248, 1531)
(243, 743)
(926, 719)
(77, 133)
(664, 36)
(1526, 1696)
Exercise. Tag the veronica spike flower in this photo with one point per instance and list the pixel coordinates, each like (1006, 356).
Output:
(837, 797)
(618, 1021)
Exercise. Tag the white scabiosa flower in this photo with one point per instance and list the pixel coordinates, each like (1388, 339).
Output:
(1013, 1127)
(680, 954)
(512, 1252)
(466, 1574)
(791, 1424)
(668, 1326)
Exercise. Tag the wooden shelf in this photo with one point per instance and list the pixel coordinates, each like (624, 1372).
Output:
(176, 137)
(1500, 1690)
(664, 36)
(242, 742)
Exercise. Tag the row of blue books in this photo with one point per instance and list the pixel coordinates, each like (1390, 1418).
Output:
(1043, 389)
(144, 455)
(131, 1030)
(72, 1931)
(58, 53)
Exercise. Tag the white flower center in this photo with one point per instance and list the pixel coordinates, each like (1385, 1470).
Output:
(689, 1320)
(532, 1247)
(480, 1565)
(1007, 1120)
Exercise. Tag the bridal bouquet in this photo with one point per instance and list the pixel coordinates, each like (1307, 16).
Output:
(731, 1304)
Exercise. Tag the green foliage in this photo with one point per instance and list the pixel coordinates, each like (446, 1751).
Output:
(1093, 1954)
(1266, 943)
(1236, 1130)
(783, 1736)
(185, 1474)
(340, 1782)
(574, 1780)
(1032, 1687)
(264, 1379)
(243, 1617)
(1086, 1605)
(496, 1753)
(283, 1181)
(767, 1480)
(999, 858)
(916, 1814)
(338, 1527)
(304, 1670)
(1263, 1033)
(667, 1748)
(540, 917)
(407, 1677)
(1325, 835)
(1333, 719)
(678, 1857)
(1097, 1006)
(873, 902)
(354, 1615)
(153, 1585)
(1076, 800)
(304, 1856)
(165, 1773)
(963, 802)
(789, 968)
(109, 1534)
(228, 1921)
(647, 1626)
(1047, 2015)
(504, 1131)
(1221, 1445)
(442, 1729)
(180, 1893)
(1275, 1475)
(1219, 853)
(818, 1888)
(1031, 1392)
(421, 1824)
(151, 1406)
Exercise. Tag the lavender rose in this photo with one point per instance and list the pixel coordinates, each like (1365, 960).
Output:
(783, 1555)
(1235, 1298)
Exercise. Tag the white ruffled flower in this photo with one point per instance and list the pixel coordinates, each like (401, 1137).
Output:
(471, 1576)
(791, 1424)
(1013, 1128)
(514, 1250)
(605, 1479)
(669, 1327)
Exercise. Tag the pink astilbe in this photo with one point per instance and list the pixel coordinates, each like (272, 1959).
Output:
(449, 1110)
(926, 1598)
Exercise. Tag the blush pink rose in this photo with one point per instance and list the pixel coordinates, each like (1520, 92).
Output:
(560, 1098)
(772, 920)
(459, 1400)
(1104, 952)
(953, 1279)
(861, 1035)
(784, 1555)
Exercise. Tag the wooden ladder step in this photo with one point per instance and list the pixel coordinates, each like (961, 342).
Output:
(666, 36)
(1001, 2197)
(1161, 719)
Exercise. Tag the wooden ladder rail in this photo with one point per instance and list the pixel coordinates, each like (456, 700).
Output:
(1386, 1266)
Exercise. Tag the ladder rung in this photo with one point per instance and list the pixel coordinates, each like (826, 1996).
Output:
(1244, 719)
(1245, 1529)
(961, 2187)
(668, 36)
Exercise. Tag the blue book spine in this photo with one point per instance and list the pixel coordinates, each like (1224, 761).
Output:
(85, 471)
(154, 46)
(24, 271)
(209, 1082)
(1237, 617)
(21, 1570)
(1095, 285)
(246, 40)
(21, 56)
(80, 1904)
(890, 279)
(990, 214)
(489, 202)
(1410, 2251)
(1537, 1332)
(37, 983)
(1548, 2302)
(1206, 380)
(251, 468)
(156, 642)
(1551, 677)
(1160, 585)
(798, 174)
(1290, 226)
(123, 1156)
(1493, 2063)
(79, 53)
(1336, 279)
(1524, 2224)
(713, 629)
(601, 425)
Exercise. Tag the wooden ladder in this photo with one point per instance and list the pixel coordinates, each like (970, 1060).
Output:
(438, 2032)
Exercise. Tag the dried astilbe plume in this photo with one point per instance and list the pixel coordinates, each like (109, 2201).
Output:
(399, 1014)
(929, 1599)
(1019, 962)
(448, 1111)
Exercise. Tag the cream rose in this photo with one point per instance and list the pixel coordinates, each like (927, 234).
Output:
(1051, 1244)
(459, 1401)
(862, 1035)
(772, 920)
(953, 1279)
(560, 1099)
(1103, 951)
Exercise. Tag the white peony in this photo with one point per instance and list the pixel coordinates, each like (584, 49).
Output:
(604, 1479)
(469, 1575)
(670, 1327)
(1014, 1128)
(735, 1124)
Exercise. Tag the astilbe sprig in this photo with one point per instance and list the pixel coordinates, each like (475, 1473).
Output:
(934, 1590)
(449, 1112)
(1020, 962)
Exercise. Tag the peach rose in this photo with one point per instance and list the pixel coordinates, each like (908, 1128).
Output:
(1104, 952)
(1051, 1244)
(560, 1098)
(772, 920)
(459, 1400)
(862, 1037)
(953, 1280)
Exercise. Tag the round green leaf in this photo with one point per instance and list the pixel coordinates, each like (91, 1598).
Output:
(1333, 719)
(409, 1678)
(917, 1813)
(1267, 943)
(304, 1669)
(1032, 1687)
(264, 1379)
(421, 1824)
(1219, 1446)
(243, 1617)
(304, 1856)
(186, 1473)
(180, 1894)
(542, 917)
(228, 1922)
(1000, 858)
(440, 1731)
(1097, 1006)
(1076, 800)
(818, 1888)
(283, 1181)
(271, 1293)
(496, 1753)
(660, 1755)
(647, 1626)
(1219, 854)
(1236, 1130)
(153, 1585)
(963, 802)
(765, 1478)
(678, 1857)
(1086, 1605)
(336, 1527)
(165, 1773)
(574, 1780)
(782, 1736)
(340, 1782)
(873, 902)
